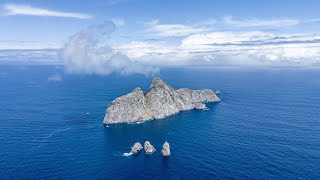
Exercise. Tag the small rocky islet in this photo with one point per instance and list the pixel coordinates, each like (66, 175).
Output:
(158, 102)
(136, 148)
(149, 148)
(166, 149)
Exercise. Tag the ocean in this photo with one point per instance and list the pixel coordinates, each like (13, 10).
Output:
(267, 126)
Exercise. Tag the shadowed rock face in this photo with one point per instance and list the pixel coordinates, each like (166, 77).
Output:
(158, 102)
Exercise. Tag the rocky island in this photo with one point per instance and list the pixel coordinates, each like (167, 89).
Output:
(159, 101)
(166, 149)
(136, 148)
(148, 148)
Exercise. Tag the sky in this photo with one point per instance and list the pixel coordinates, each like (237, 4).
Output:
(160, 32)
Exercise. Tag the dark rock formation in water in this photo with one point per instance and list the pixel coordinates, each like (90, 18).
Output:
(158, 102)
(166, 149)
(136, 148)
(148, 148)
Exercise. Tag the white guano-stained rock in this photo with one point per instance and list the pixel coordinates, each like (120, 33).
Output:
(158, 102)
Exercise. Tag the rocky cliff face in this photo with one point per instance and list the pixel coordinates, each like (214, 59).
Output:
(158, 102)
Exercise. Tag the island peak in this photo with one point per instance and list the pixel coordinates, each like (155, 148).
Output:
(137, 89)
(157, 81)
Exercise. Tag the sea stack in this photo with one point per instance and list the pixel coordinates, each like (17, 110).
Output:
(166, 149)
(159, 101)
(136, 148)
(148, 148)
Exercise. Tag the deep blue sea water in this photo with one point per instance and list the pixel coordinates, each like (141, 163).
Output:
(266, 127)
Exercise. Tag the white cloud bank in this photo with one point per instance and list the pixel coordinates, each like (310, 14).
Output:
(229, 20)
(16, 9)
(157, 29)
(88, 52)
(172, 30)
(230, 48)
(225, 41)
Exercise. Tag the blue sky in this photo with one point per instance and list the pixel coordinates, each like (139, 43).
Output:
(136, 11)
(211, 32)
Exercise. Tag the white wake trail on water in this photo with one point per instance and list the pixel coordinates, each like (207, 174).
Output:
(127, 154)
(46, 138)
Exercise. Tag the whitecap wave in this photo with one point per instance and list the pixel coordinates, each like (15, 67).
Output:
(127, 154)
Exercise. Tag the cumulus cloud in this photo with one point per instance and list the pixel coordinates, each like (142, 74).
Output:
(16, 9)
(88, 52)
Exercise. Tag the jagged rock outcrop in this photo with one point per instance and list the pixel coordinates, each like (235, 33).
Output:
(136, 148)
(159, 101)
(166, 149)
(148, 148)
